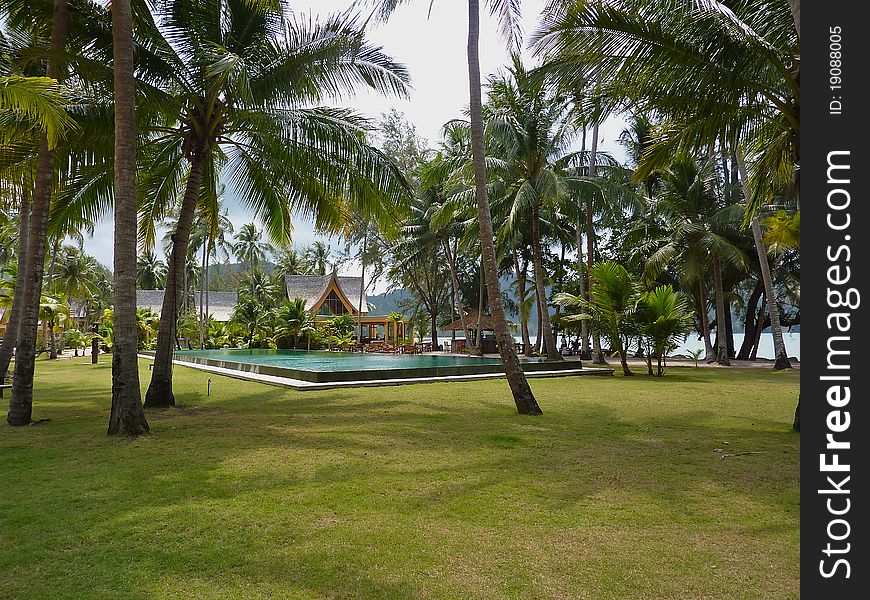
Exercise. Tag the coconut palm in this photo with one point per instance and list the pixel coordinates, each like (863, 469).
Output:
(248, 246)
(76, 275)
(21, 399)
(150, 272)
(316, 257)
(249, 316)
(239, 80)
(531, 127)
(291, 322)
(54, 312)
(698, 234)
(507, 13)
(127, 416)
(666, 320)
(717, 74)
(614, 301)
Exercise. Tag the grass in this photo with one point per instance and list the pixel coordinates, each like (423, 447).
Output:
(417, 491)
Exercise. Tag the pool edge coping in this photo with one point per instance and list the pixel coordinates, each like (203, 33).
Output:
(299, 384)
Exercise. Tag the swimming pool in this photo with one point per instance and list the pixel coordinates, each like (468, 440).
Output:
(324, 367)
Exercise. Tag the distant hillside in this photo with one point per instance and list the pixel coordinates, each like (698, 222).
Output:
(384, 304)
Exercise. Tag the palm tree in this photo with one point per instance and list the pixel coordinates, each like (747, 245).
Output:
(614, 300)
(288, 261)
(21, 400)
(53, 311)
(508, 16)
(150, 272)
(744, 95)
(531, 127)
(248, 247)
(76, 275)
(238, 77)
(127, 416)
(291, 321)
(13, 325)
(666, 321)
(316, 257)
(696, 234)
(249, 316)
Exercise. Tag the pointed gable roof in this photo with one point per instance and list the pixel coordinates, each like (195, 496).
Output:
(314, 289)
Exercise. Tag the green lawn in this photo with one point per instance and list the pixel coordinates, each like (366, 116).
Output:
(423, 491)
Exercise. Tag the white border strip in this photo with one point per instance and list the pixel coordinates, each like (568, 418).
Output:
(299, 384)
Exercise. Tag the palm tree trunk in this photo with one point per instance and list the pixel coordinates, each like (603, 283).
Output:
(210, 247)
(753, 354)
(782, 361)
(13, 325)
(454, 283)
(202, 313)
(522, 393)
(750, 323)
(127, 416)
(710, 353)
(623, 352)
(597, 354)
(581, 286)
(21, 399)
(52, 352)
(540, 289)
(721, 334)
(362, 283)
(795, 6)
(478, 334)
(521, 292)
(159, 392)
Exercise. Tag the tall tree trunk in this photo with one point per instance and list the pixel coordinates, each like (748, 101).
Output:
(159, 392)
(750, 322)
(21, 398)
(13, 325)
(759, 328)
(522, 393)
(623, 351)
(52, 343)
(127, 416)
(362, 284)
(202, 314)
(795, 6)
(433, 316)
(722, 347)
(729, 331)
(454, 284)
(540, 289)
(539, 334)
(581, 285)
(478, 334)
(709, 352)
(597, 354)
(521, 292)
(210, 246)
(782, 361)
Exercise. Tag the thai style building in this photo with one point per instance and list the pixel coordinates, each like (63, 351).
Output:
(327, 296)
(220, 304)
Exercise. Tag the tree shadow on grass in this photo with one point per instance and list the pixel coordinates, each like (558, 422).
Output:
(316, 492)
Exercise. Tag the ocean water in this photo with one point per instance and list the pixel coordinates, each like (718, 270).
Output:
(765, 346)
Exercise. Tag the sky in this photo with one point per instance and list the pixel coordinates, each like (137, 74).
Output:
(433, 47)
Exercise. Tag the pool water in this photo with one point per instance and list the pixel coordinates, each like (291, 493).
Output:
(336, 361)
(321, 366)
